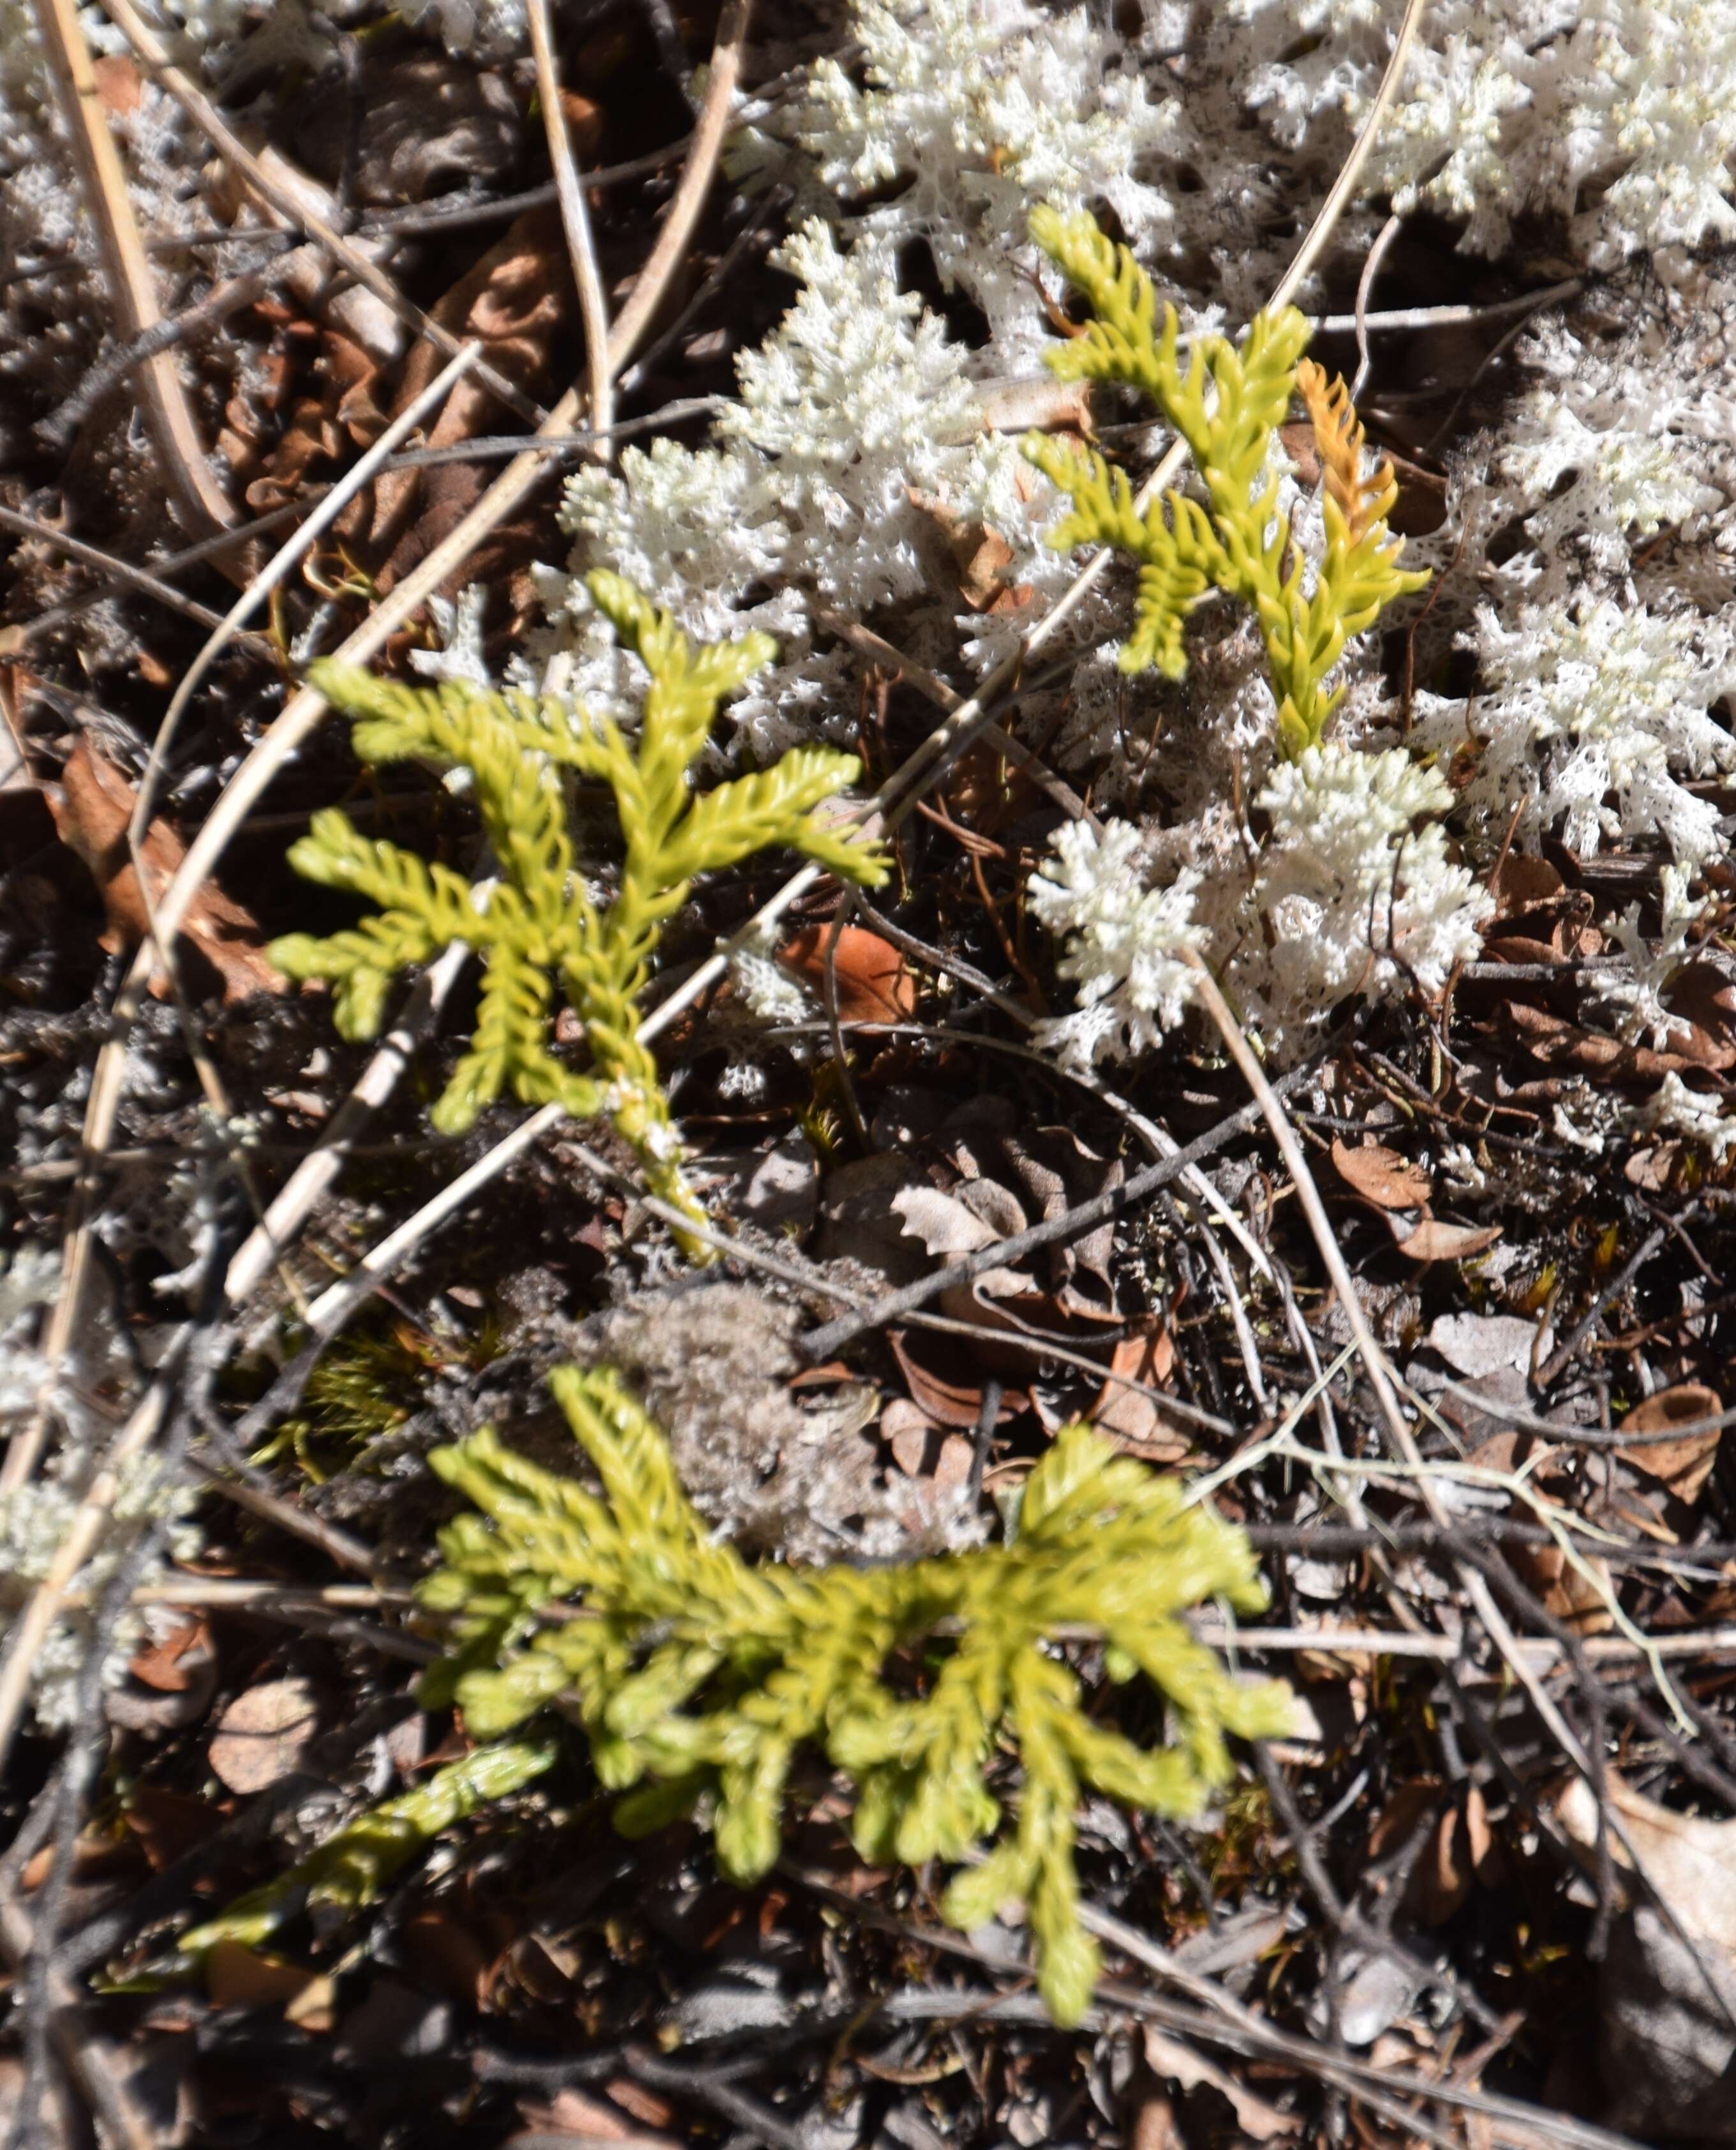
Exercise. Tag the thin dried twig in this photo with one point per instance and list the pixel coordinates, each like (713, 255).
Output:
(119, 570)
(295, 1201)
(96, 2063)
(575, 219)
(1714, 1644)
(1365, 284)
(169, 412)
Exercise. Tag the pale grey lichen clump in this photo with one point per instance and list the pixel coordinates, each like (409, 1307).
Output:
(1616, 116)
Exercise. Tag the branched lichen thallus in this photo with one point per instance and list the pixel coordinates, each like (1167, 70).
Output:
(536, 924)
(1227, 408)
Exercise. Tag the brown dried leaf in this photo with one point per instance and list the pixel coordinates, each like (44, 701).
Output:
(92, 806)
(1169, 2057)
(1435, 1240)
(948, 1401)
(980, 554)
(873, 981)
(1396, 1823)
(1525, 882)
(1581, 1599)
(574, 2116)
(236, 1978)
(1155, 2126)
(119, 85)
(168, 1685)
(165, 1665)
(1690, 1860)
(946, 1226)
(262, 1735)
(1131, 1419)
(1652, 1167)
(448, 1954)
(1382, 1176)
(1558, 1043)
(1683, 1466)
(168, 1824)
(907, 1430)
(1520, 948)
(516, 302)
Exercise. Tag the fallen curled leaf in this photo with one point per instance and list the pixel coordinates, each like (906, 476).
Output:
(171, 1666)
(1435, 1240)
(907, 1430)
(166, 1824)
(1523, 882)
(169, 1683)
(448, 1954)
(1683, 1466)
(262, 1735)
(576, 2117)
(1651, 1167)
(1581, 1596)
(1155, 2126)
(1476, 1345)
(980, 553)
(946, 1226)
(1382, 1176)
(1007, 1301)
(1398, 1819)
(1459, 1848)
(1131, 1419)
(1687, 1858)
(92, 806)
(873, 981)
(119, 85)
(948, 1402)
(1667, 1989)
(516, 302)
(237, 1977)
(1179, 2063)
(1559, 1043)
(1520, 948)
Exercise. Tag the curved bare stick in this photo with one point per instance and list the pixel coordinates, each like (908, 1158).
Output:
(575, 221)
(167, 409)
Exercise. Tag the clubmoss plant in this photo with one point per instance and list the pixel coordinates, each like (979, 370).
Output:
(351, 1867)
(536, 924)
(1226, 408)
(700, 1678)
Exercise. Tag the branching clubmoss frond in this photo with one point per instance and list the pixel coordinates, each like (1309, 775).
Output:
(535, 926)
(1227, 408)
(700, 1677)
(349, 1870)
